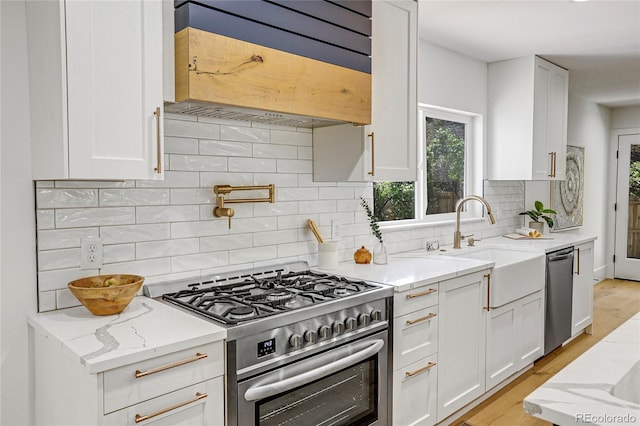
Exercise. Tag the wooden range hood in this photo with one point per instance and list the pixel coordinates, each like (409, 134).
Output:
(226, 77)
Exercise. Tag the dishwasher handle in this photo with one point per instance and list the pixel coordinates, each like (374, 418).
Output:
(557, 258)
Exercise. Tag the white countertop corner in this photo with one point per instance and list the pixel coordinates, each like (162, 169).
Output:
(145, 329)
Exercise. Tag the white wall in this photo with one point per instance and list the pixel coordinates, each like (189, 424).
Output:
(17, 225)
(625, 118)
(588, 126)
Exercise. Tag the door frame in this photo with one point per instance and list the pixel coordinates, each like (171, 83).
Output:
(612, 198)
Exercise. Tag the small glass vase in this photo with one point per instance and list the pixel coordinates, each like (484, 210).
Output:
(380, 254)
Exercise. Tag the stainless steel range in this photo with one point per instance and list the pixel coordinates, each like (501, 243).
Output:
(303, 347)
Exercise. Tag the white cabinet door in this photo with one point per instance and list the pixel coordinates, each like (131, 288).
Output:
(582, 308)
(414, 393)
(530, 328)
(527, 119)
(110, 60)
(502, 343)
(461, 342)
(385, 150)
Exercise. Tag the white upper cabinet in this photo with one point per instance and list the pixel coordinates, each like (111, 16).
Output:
(386, 149)
(527, 120)
(96, 82)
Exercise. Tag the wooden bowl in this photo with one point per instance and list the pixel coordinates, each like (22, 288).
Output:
(106, 294)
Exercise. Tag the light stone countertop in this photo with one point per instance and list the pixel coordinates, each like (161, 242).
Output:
(417, 268)
(145, 329)
(600, 387)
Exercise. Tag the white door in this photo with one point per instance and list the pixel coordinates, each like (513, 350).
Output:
(627, 245)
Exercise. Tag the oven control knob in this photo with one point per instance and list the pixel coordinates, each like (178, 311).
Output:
(338, 328)
(324, 331)
(350, 323)
(364, 319)
(310, 336)
(295, 341)
(376, 315)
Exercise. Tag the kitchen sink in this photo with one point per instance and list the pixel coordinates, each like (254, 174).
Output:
(515, 274)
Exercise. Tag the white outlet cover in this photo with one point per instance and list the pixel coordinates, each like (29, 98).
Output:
(91, 253)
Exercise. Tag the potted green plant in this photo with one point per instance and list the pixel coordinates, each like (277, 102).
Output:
(537, 215)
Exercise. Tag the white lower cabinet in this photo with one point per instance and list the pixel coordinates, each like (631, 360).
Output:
(461, 342)
(415, 346)
(582, 304)
(515, 337)
(185, 387)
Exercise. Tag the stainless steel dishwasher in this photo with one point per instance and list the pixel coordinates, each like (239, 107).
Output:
(559, 282)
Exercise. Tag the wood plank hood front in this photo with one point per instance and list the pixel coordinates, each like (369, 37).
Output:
(226, 77)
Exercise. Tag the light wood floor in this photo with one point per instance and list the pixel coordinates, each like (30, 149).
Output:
(615, 301)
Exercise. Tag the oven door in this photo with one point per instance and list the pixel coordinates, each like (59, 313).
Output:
(346, 385)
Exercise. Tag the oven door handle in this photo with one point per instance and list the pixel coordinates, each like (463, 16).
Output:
(265, 391)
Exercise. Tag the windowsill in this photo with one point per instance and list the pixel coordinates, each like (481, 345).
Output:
(390, 226)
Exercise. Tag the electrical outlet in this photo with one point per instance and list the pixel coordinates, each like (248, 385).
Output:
(91, 253)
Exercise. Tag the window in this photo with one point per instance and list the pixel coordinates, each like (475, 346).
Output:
(448, 170)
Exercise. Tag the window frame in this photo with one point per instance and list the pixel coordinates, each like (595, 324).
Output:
(473, 168)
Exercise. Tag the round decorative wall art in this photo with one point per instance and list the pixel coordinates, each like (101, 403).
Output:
(567, 196)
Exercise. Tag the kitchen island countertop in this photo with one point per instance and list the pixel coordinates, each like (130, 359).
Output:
(146, 328)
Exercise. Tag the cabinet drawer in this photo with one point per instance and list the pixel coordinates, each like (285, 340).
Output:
(415, 336)
(200, 404)
(148, 379)
(415, 299)
(414, 393)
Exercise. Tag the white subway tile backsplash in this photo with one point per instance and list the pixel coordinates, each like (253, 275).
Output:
(64, 238)
(58, 259)
(255, 254)
(288, 137)
(175, 145)
(176, 247)
(252, 165)
(191, 129)
(199, 229)
(235, 132)
(165, 230)
(46, 301)
(225, 148)
(198, 163)
(57, 279)
(161, 214)
(53, 198)
(275, 151)
(118, 253)
(226, 242)
(295, 166)
(134, 233)
(199, 261)
(133, 197)
(45, 219)
(75, 218)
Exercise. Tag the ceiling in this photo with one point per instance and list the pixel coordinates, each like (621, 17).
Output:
(597, 41)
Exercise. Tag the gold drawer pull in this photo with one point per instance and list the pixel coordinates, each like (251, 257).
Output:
(168, 366)
(141, 418)
(373, 156)
(424, 293)
(428, 317)
(158, 168)
(420, 370)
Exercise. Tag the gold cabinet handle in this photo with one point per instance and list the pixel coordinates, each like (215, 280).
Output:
(488, 307)
(158, 168)
(373, 156)
(415, 321)
(550, 165)
(424, 293)
(555, 162)
(420, 370)
(198, 356)
(578, 271)
(141, 418)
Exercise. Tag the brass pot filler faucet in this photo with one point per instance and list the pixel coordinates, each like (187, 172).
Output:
(221, 190)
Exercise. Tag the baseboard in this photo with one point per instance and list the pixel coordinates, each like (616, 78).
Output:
(600, 273)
